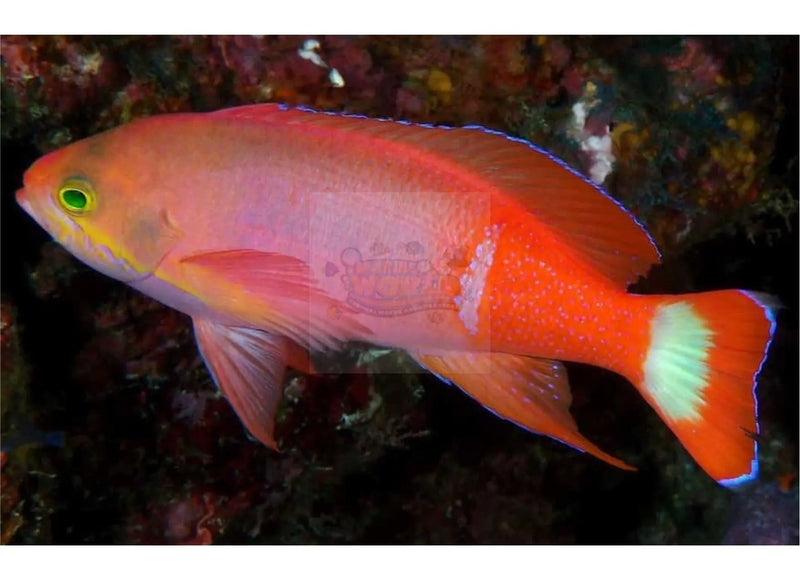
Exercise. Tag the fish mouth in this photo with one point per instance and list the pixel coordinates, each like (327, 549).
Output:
(28, 206)
(22, 200)
(40, 216)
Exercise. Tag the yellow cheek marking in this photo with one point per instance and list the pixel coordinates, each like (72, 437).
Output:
(675, 369)
(99, 239)
(144, 244)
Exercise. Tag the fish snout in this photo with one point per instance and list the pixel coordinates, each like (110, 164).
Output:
(22, 200)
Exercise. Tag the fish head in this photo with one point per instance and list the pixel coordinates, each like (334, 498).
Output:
(97, 198)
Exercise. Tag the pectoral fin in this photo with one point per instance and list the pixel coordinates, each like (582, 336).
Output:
(530, 392)
(248, 366)
(271, 291)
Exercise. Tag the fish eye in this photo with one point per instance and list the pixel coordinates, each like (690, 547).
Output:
(76, 196)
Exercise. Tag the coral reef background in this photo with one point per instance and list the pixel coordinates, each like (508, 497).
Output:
(112, 431)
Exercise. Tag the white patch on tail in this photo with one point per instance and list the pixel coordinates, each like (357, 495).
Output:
(675, 369)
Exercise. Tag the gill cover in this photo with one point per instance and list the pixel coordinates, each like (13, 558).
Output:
(129, 241)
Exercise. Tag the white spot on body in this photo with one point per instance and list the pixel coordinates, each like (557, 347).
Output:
(473, 281)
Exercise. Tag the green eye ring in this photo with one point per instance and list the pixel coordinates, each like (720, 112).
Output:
(77, 197)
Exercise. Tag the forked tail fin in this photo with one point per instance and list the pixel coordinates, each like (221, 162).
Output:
(700, 372)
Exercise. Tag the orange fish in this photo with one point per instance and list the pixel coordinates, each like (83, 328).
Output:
(481, 255)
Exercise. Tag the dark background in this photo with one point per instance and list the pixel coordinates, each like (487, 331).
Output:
(112, 431)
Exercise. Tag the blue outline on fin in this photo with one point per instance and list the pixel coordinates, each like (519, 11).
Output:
(496, 414)
(770, 314)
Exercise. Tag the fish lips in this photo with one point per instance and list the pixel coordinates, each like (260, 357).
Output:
(26, 204)
(22, 200)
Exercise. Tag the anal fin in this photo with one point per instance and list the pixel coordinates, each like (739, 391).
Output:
(530, 392)
(248, 366)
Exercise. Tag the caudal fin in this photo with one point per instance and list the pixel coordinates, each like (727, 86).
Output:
(700, 372)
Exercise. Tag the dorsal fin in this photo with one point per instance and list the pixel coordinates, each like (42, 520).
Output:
(597, 228)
